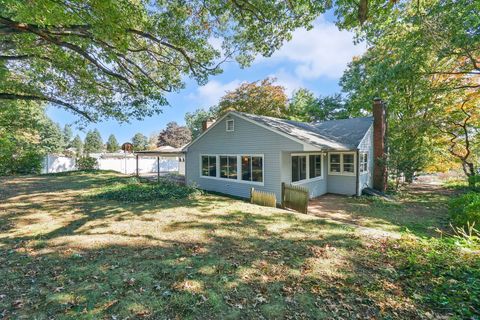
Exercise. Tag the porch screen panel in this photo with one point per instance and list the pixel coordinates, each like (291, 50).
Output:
(315, 164)
(299, 168)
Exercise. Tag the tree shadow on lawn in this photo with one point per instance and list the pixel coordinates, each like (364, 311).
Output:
(17, 186)
(243, 268)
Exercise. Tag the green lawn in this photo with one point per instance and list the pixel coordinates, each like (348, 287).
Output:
(68, 253)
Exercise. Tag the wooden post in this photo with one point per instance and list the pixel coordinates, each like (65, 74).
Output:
(137, 165)
(158, 169)
(251, 195)
(282, 201)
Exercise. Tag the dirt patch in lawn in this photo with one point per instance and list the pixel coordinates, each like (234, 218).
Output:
(421, 209)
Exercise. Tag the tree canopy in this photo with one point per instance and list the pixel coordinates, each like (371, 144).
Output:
(77, 144)
(194, 120)
(259, 97)
(424, 62)
(26, 135)
(140, 142)
(112, 144)
(118, 59)
(174, 135)
(304, 106)
(93, 142)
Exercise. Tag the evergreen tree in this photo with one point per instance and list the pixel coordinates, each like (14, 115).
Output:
(77, 144)
(51, 137)
(140, 142)
(67, 136)
(112, 144)
(93, 142)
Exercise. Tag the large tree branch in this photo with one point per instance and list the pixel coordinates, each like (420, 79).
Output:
(31, 97)
(46, 35)
(166, 44)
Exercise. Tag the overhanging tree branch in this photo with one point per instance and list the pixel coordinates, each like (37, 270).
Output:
(31, 97)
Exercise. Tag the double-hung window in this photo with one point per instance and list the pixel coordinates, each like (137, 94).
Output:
(228, 167)
(342, 163)
(335, 163)
(348, 162)
(230, 125)
(306, 166)
(363, 162)
(209, 166)
(252, 168)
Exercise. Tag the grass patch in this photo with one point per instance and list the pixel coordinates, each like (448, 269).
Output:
(465, 209)
(419, 213)
(431, 276)
(64, 255)
(133, 190)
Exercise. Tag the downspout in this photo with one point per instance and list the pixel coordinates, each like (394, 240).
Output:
(357, 176)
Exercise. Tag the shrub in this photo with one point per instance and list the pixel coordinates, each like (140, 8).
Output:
(87, 163)
(466, 209)
(474, 182)
(438, 272)
(29, 163)
(132, 190)
(20, 161)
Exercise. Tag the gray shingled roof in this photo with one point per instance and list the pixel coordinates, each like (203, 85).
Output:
(345, 134)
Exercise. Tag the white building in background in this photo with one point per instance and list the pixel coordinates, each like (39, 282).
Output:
(57, 163)
(125, 163)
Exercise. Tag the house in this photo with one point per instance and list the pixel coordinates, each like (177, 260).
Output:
(240, 151)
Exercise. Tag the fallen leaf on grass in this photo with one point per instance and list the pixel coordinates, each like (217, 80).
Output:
(17, 304)
(109, 304)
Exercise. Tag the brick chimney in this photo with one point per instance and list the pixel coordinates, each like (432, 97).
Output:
(207, 123)
(379, 146)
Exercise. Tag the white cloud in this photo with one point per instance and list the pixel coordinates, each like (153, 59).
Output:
(287, 80)
(211, 93)
(321, 51)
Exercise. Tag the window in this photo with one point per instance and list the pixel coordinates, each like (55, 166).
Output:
(230, 125)
(228, 167)
(342, 163)
(315, 164)
(209, 166)
(335, 165)
(299, 168)
(348, 162)
(308, 166)
(239, 168)
(363, 162)
(252, 168)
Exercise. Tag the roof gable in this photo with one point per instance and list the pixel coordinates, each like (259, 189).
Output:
(345, 134)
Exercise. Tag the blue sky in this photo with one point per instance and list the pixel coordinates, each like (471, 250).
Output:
(313, 59)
